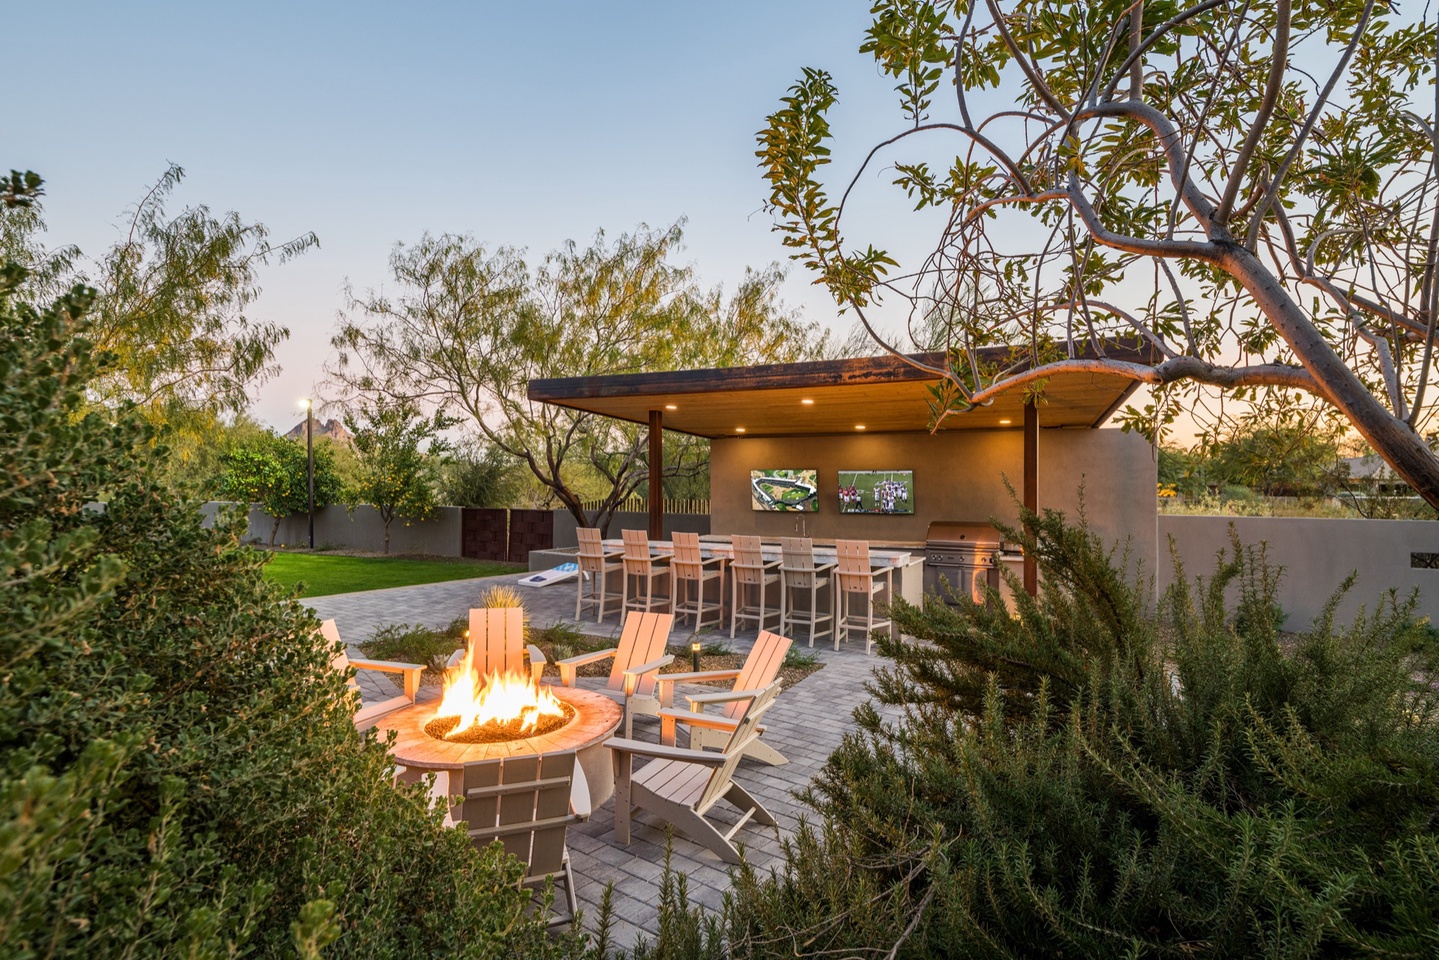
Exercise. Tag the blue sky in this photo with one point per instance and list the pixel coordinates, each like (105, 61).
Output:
(368, 123)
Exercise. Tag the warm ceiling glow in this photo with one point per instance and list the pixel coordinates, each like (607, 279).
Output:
(670, 406)
(739, 429)
(807, 402)
(859, 426)
(1005, 423)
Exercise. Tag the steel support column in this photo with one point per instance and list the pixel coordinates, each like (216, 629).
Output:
(657, 486)
(1031, 486)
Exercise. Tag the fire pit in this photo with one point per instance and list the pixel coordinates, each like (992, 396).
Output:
(506, 715)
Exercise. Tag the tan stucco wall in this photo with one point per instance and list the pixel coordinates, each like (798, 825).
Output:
(1316, 555)
(958, 475)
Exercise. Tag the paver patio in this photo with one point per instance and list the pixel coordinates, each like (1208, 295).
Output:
(805, 724)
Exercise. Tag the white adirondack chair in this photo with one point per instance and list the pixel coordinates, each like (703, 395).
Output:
(524, 802)
(637, 662)
(497, 636)
(711, 731)
(682, 786)
(368, 713)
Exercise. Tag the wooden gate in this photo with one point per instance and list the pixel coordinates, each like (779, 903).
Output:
(530, 530)
(484, 534)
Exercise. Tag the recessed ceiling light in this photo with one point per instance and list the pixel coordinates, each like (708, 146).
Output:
(670, 406)
(807, 402)
(859, 426)
(739, 429)
(1005, 423)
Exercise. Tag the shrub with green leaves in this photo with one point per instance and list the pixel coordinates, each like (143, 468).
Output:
(1100, 778)
(179, 774)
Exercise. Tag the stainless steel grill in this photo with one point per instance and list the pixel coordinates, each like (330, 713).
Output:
(960, 558)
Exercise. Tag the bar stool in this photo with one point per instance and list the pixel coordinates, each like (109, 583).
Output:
(595, 566)
(688, 568)
(750, 574)
(644, 569)
(857, 578)
(798, 571)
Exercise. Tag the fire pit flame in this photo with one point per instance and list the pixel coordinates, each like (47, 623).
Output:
(502, 699)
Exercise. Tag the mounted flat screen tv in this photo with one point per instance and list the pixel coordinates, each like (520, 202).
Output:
(784, 490)
(876, 491)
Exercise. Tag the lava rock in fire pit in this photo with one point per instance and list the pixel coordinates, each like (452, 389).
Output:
(442, 728)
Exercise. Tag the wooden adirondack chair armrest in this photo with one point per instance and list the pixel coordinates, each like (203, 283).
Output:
(667, 682)
(567, 666)
(661, 752)
(697, 719)
(411, 671)
(699, 700)
(633, 674)
(537, 661)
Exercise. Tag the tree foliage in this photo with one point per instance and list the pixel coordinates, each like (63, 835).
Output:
(1247, 189)
(468, 327)
(274, 472)
(477, 474)
(179, 771)
(173, 302)
(397, 450)
(1089, 779)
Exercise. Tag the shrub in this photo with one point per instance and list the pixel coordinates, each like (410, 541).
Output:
(416, 644)
(1098, 778)
(179, 774)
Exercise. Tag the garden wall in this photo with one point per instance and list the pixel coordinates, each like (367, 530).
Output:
(362, 529)
(1316, 554)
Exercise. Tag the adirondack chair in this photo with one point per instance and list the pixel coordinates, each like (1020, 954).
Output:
(710, 731)
(681, 786)
(368, 713)
(637, 662)
(688, 569)
(596, 566)
(524, 802)
(497, 635)
(858, 579)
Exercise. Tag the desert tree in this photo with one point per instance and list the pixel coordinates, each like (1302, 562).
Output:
(398, 450)
(469, 326)
(1249, 189)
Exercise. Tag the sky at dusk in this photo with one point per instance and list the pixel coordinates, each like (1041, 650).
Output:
(522, 124)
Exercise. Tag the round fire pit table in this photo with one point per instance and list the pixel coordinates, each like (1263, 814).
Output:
(596, 719)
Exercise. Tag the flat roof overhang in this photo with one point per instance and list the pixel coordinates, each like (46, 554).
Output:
(884, 394)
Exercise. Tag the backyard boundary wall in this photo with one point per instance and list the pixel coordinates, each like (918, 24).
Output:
(1316, 554)
(362, 529)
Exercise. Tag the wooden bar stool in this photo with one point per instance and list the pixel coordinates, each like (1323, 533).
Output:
(689, 569)
(644, 569)
(800, 573)
(858, 578)
(595, 568)
(750, 575)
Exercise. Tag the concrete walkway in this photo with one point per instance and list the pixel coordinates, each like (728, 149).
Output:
(805, 724)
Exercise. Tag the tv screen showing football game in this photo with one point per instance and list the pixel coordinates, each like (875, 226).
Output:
(785, 490)
(876, 491)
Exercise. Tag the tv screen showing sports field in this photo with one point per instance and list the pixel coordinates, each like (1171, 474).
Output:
(785, 490)
(876, 491)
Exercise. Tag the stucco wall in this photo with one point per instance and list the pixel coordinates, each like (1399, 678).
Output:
(958, 475)
(361, 530)
(1316, 556)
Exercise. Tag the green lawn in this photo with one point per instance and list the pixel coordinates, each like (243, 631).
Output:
(324, 574)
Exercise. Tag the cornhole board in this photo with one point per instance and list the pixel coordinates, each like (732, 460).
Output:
(565, 571)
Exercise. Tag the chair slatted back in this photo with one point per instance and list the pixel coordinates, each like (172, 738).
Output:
(503, 796)
(745, 731)
(497, 637)
(798, 561)
(592, 550)
(638, 561)
(341, 661)
(642, 641)
(748, 564)
(759, 669)
(687, 562)
(855, 571)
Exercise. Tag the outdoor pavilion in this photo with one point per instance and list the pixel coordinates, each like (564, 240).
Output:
(833, 401)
